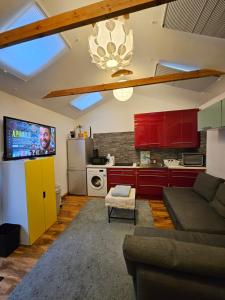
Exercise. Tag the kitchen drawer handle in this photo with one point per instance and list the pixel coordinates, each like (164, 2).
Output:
(181, 142)
(129, 175)
(153, 171)
(188, 177)
(122, 174)
(151, 185)
(152, 176)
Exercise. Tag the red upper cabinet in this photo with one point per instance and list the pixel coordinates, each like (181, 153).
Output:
(189, 129)
(148, 130)
(172, 129)
(141, 123)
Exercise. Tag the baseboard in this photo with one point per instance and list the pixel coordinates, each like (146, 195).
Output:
(64, 195)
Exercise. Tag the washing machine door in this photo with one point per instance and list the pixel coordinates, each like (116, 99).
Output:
(97, 182)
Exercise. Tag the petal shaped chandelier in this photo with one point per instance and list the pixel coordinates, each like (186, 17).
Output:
(111, 44)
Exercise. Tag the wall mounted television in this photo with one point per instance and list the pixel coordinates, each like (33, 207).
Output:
(24, 139)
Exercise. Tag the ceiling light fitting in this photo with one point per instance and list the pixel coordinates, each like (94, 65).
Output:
(123, 94)
(111, 44)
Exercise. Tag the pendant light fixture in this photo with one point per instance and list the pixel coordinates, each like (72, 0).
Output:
(111, 44)
(123, 94)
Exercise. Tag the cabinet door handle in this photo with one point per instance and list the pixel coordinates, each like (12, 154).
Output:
(151, 185)
(154, 175)
(181, 142)
(44, 195)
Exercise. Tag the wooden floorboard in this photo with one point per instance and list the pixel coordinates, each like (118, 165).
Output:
(14, 267)
(160, 215)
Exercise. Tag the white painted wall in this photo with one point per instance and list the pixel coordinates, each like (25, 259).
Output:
(216, 152)
(116, 116)
(15, 107)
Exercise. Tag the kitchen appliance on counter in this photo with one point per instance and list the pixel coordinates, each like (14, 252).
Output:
(192, 159)
(79, 152)
(171, 162)
(111, 159)
(100, 160)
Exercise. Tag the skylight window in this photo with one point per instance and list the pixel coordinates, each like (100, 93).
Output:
(27, 59)
(86, 101)
(180, 67)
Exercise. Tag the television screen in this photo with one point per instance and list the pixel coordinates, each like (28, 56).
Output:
(24, 139)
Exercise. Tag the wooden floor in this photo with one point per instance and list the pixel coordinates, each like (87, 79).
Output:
(14, 267)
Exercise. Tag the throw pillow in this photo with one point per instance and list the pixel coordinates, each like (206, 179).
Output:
(206, 185)
(218, 202)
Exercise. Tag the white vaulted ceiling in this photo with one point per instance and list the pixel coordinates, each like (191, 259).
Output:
(153, 42)
(206, 17)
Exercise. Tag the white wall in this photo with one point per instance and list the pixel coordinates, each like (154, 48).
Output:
(116, 116)
(15, 107)
(216, 152)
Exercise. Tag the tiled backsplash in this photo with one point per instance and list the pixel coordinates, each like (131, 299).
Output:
(121, 145)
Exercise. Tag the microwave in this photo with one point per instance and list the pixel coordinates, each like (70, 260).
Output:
(193, 159)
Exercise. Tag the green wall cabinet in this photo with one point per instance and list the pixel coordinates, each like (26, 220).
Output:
(223, 113)
(211, 117)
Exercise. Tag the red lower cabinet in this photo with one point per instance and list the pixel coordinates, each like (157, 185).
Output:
(121, 176)
(150, 182)
(183, 178)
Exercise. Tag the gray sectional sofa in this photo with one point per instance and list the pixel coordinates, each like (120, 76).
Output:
(195, 209)
(187, 263)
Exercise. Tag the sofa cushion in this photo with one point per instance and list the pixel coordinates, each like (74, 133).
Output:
(218, 202)
(206, 185)
(215, 240)
(192, 212)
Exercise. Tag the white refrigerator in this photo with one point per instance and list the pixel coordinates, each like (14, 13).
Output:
(79, 153)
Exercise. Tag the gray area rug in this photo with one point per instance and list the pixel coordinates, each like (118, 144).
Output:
(86, 261)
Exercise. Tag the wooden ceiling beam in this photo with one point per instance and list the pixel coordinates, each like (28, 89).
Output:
(79, 17)
(134, 83)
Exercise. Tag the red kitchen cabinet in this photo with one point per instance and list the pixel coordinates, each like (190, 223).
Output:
(183, 178)
(125, 176)
(150, 182)
(148, 130)
(189, 130)
(171, 129)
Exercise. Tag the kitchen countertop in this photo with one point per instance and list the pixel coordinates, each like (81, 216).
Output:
(144, 167)
(98, 166)
(189, 168)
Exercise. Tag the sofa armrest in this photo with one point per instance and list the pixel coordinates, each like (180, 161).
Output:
(174, 255)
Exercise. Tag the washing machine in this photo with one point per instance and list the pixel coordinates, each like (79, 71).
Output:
(97, 182)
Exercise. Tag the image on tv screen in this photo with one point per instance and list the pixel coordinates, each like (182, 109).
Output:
(26, 139)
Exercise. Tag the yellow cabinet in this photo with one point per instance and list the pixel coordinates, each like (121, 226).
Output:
(29, 197)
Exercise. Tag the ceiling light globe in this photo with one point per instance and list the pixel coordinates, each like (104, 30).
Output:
(123, 94)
